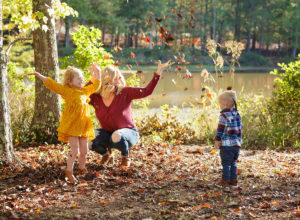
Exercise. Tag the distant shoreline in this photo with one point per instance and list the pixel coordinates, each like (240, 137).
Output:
(196, 69)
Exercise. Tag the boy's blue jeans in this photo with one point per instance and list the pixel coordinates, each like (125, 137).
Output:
(229, 156)
(103, 141)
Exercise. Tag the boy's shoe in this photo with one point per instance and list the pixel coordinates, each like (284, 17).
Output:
(222, 183)
(82, 171)
(107, 158)
(233, 182)
(125, 162)
(70, 177)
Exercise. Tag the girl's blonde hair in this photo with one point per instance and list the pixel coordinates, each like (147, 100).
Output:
(108, 75)
(69, 75)
(229, 98)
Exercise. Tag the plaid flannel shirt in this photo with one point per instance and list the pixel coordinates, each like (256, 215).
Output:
(229, 130)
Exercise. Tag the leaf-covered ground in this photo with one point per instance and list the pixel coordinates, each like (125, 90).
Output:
(164, 182)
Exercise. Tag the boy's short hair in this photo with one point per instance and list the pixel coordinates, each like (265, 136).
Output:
(69, 75)
(229, 97)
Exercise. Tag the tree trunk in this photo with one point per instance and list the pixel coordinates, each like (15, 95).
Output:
(47, 107)
(261, 38)
(253, 41)
(250, 25)
(67, 34)
(237, 27)
(215, 20)
(103, 35)
(204, 27)
(294, 51)
(6, 145)
(112, 39)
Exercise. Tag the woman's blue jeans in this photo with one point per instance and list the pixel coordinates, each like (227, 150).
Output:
(229, 156)
(103, 141)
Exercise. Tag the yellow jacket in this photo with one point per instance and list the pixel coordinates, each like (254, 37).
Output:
(75, 119)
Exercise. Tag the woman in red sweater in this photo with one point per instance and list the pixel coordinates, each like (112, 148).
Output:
(112, 103)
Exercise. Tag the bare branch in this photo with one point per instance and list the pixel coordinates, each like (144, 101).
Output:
(15, 41)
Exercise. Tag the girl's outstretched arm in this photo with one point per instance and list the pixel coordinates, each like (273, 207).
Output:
(37, 74)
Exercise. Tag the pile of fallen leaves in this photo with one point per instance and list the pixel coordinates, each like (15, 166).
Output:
(164, 182)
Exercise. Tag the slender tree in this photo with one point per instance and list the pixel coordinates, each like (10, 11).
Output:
(6, 146)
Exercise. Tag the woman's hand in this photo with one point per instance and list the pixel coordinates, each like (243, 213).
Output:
(162, 66)
(95, 71)
(37, 74)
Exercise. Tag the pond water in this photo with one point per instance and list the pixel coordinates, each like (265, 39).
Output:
(174, 90)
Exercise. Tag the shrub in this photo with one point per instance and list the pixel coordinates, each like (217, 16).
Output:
(253, 59)
(284, 105)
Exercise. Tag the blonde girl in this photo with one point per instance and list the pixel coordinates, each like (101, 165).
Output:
(75, 125)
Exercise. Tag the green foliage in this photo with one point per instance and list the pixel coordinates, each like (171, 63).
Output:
(21, 104)
(285, 104)
(88, 49)
(253, 59)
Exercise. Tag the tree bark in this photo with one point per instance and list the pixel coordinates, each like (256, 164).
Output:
(253, 41)
(261, 38)
(67, 34)
(6, 145)
(204, 27)
(47, 107)
(237, 27)
(250, 25)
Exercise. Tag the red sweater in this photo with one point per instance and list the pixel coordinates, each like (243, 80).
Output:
(118, 115)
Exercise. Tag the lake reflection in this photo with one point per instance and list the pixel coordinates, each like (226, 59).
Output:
(174, 90)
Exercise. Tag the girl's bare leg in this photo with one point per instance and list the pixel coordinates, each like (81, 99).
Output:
(83, 149)
(74, 144)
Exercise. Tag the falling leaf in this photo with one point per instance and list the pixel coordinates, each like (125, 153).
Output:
(192, 11)
(209, 95)
(132, 54)
(213, 152)
(106, 57)
(163, 203)
(158, 19)
(239, 171)
(147, 39)
(173, 10)
(191, 25)
(38, 211)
